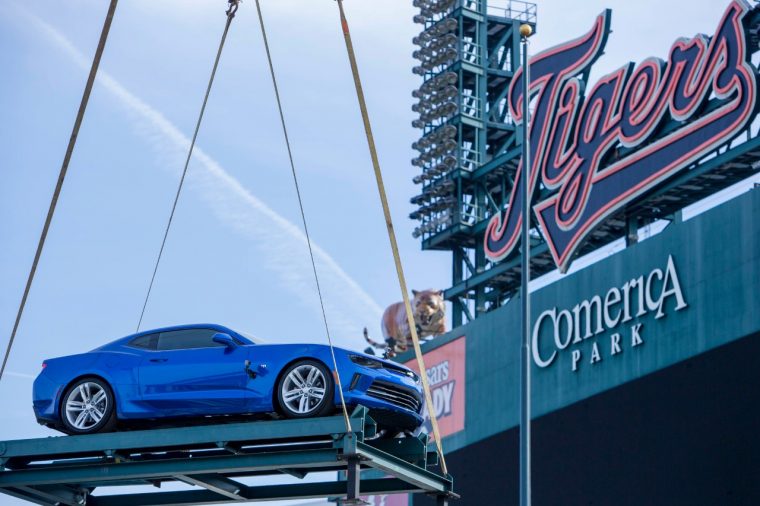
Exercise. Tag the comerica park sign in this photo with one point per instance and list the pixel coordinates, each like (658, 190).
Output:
(611, 322)
(706, 92)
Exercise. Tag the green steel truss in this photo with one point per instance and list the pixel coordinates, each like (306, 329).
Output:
(67, 470)
(469, 147)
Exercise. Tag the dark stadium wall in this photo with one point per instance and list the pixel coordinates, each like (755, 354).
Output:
(684, 435)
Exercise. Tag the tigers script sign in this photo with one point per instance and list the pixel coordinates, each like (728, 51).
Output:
(707, 85)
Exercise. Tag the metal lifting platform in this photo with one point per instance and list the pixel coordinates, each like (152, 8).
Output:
(67, 470)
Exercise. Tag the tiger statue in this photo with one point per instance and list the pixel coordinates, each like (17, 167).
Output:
(429, 311)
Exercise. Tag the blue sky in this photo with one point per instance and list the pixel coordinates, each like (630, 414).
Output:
(235, 254)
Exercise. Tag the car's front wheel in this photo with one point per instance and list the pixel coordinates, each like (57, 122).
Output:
(305, 389)
(88, 407)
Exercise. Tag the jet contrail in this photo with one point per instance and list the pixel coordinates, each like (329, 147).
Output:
(19, 375)
(349, 307)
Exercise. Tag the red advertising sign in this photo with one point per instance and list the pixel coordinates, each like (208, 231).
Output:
(446, 374)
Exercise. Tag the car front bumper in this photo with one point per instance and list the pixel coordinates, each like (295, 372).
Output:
(394, 400)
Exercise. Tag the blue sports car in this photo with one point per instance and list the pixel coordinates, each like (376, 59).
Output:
(201, 371)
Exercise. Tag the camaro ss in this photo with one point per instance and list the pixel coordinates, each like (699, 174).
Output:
(187, 372)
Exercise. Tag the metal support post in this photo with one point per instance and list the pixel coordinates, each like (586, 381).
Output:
(632, 235)
(525, 418)
(442, 500)
(352, 478)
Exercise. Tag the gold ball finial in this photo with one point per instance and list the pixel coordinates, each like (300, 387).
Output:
(526, 30)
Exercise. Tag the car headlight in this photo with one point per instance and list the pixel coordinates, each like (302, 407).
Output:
(366, 362)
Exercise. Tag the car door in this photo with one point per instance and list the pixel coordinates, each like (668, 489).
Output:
(190, 374)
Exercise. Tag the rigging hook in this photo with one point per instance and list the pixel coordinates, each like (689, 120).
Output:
(232, 8)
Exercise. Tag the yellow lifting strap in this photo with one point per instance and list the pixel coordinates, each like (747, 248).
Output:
(62, 175)
(392, 236)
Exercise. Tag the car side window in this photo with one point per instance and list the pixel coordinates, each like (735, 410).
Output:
(187, 339)
(146, 342)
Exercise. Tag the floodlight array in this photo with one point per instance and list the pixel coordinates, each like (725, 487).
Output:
(443, 189)
(437, 103)
(436, 224)
(432, 9)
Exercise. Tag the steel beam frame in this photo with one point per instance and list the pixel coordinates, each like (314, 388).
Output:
(67, 470)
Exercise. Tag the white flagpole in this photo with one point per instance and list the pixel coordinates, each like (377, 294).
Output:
(525, 418)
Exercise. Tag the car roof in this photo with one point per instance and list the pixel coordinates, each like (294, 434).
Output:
(214, 326)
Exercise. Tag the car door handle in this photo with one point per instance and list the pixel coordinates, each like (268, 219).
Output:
(159, 359)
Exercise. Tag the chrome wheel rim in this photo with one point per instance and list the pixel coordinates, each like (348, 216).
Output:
(86, 405)
(303, 389)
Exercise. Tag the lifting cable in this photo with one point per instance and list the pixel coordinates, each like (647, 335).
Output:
(62, 174)
(233, 7)
(391, 235)
(336, 374)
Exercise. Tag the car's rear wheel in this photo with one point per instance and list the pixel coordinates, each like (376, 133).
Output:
(305, 389)
(88, 407)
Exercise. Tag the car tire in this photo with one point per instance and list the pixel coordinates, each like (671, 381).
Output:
(306, 389)
(87, 407)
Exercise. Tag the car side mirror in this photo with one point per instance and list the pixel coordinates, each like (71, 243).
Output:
(225, 339)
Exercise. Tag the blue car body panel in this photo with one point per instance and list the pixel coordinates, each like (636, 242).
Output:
(152, 384)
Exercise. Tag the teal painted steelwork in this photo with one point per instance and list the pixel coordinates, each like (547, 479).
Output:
(261, 493)
(717, 259)
(185, 438)
(452, 202)
(66, 470)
